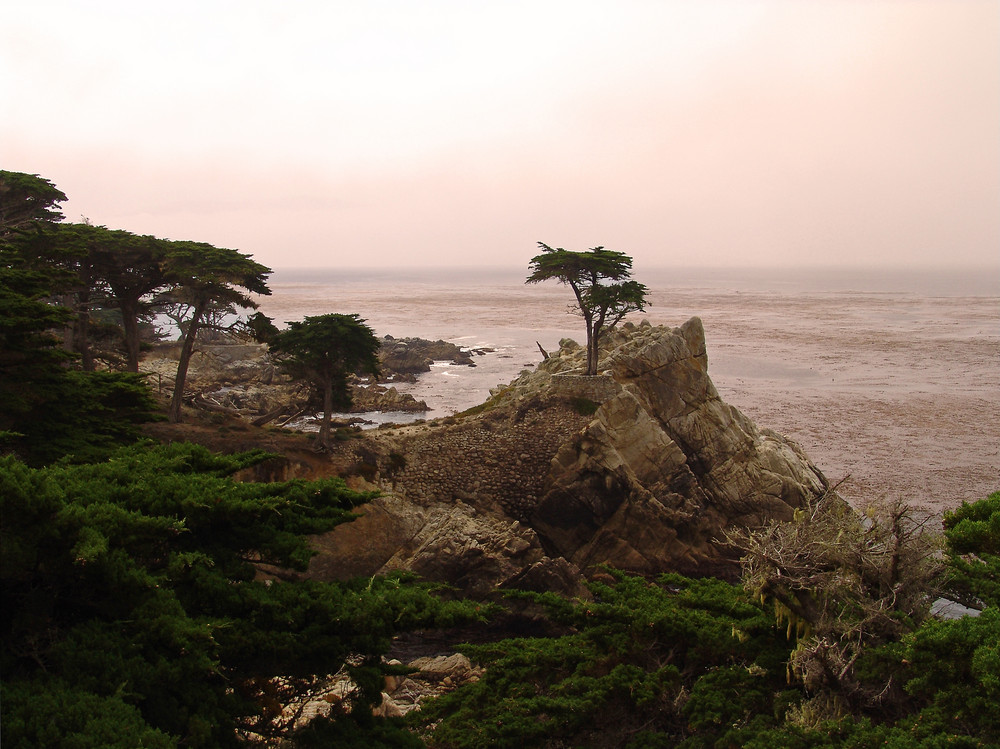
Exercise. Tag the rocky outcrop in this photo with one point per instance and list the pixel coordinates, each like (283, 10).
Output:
(240, 379)
(411, 356)
(376, 397)
(475, 548)
(642, 467)
(665, 466)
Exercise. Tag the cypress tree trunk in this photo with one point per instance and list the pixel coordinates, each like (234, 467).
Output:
(324, 429)
(81, 333)
(187, 349)
(130, 327)
(593, 333)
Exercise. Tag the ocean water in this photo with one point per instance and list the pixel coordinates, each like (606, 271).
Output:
(890, 379)
(493, 308)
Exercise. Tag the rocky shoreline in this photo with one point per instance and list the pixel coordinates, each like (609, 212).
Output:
(642, 467)
(241, 380)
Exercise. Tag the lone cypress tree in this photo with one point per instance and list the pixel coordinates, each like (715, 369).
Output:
(601, 282)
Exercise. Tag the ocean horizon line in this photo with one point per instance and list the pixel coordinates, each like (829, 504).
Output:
(979, 281)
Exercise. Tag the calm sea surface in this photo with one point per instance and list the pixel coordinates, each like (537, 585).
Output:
(889, 378)
(493, 308)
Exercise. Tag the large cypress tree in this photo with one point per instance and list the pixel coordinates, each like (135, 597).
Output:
(325, 350)
(133, 612)
(601, 284)
(204, 276)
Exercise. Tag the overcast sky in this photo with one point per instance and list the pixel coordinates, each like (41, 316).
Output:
(433, 132)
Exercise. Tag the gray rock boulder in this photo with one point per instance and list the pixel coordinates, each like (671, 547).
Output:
(475, 549)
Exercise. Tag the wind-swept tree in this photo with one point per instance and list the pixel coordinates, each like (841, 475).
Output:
(601, 282)
(326, 350)
(205, 277)
(131, 266)
(26, 199)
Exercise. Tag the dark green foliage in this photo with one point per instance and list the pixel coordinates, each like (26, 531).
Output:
(26, 199)
(645, 663)
(973, 533)
(584, 406)
(86, 416)
(357, 733)
(953, 673)
(30, 359)
(260, 328)
(47, 410)
(51, 713)
(601, 283)
(132, 604)
(325, 350)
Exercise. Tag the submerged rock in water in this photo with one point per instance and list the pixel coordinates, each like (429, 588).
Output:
(415, 355)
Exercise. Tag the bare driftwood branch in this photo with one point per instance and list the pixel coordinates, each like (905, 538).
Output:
(208, 404)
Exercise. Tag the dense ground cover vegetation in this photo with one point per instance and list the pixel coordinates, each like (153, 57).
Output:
(675, 662)
(133, 614)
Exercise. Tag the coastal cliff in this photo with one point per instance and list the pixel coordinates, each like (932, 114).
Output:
(643, 467)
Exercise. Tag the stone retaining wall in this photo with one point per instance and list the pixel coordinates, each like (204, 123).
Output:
(505, 462)
(598, 388)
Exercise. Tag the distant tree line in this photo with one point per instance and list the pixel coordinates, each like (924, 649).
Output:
(85, 299)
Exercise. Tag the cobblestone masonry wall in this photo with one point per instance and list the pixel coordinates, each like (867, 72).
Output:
(598, 388)
(499, 458)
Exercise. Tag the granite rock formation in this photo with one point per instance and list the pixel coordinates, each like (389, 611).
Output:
(642, 467)
(411, 356)
(240, 379)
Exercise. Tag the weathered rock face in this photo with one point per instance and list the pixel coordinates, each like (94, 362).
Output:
(477, 549)
(648, 481)
(666, 465)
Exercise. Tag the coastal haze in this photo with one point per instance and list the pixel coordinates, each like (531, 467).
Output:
(833, 167)
(890, 381)
(391, 133)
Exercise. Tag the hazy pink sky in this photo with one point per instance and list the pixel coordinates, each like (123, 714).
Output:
(399, 133)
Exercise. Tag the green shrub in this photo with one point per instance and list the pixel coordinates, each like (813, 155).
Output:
(132, 613)
(584, 406)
